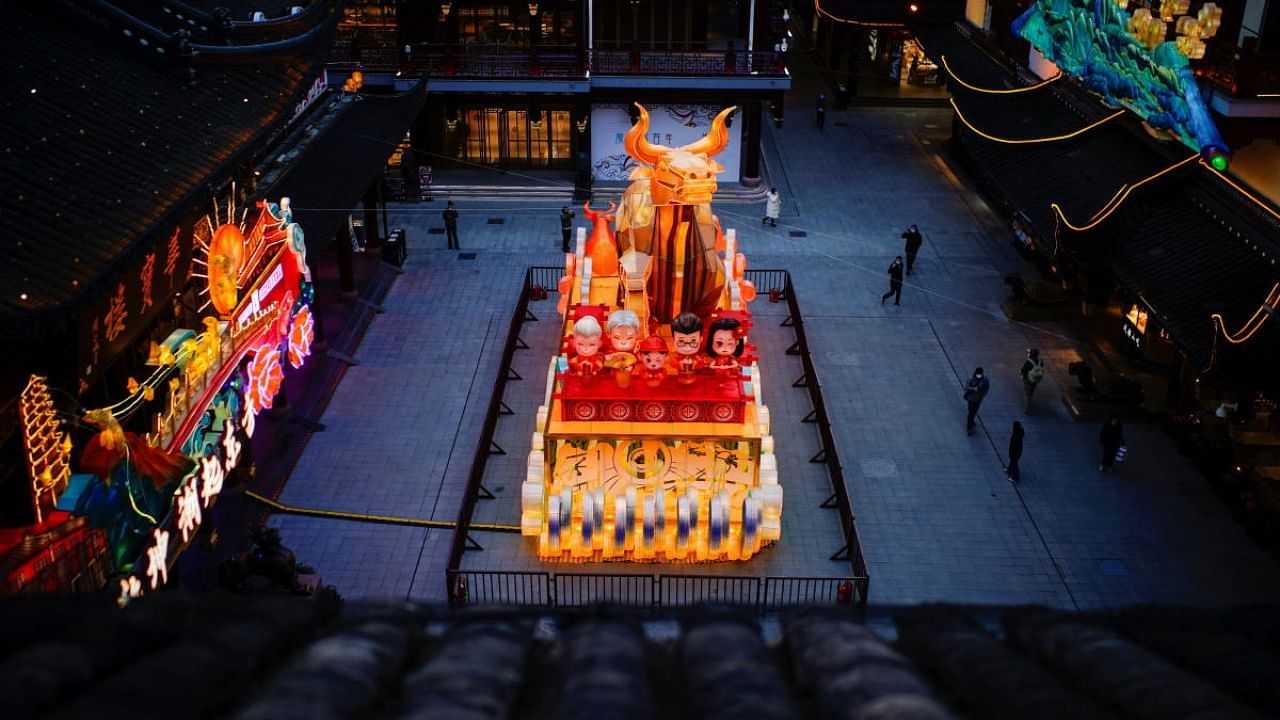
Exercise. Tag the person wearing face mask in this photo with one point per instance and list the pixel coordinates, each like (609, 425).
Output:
(974, 392)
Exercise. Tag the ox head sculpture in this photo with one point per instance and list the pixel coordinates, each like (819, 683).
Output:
(679, 176)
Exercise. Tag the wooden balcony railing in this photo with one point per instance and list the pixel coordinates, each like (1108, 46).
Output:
(559, 63)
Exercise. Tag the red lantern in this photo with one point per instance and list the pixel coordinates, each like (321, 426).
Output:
(844, 592)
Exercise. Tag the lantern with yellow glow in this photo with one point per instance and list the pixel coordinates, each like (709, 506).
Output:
(226, 258)
(654, 471)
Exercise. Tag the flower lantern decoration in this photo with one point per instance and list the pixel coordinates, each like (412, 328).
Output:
(301, 333)
(264, 378)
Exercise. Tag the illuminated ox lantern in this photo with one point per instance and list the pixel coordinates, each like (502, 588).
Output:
(666, 216)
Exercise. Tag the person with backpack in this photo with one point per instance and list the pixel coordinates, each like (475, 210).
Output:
(1032, 373)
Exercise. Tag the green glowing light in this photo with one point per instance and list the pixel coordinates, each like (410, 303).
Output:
(1219, 162)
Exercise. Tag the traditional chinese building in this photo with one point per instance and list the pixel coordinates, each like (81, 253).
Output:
(1121, 204)
(132, 134)
(549, 85)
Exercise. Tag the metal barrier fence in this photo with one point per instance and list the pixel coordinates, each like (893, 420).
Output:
(548, 589)
(657, 590)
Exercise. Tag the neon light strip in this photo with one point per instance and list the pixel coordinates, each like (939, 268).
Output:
(197, 408)
(1115, 197)
(1031, 141)
(1260, 316)
(1240, 190)
(1124, 195)
(817, 6)
(977, 89)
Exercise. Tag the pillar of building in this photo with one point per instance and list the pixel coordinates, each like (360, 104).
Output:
(750, 119)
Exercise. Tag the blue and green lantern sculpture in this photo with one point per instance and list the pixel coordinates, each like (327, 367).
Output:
(1128, 59)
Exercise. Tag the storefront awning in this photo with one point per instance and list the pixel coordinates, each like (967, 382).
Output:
(337, 168)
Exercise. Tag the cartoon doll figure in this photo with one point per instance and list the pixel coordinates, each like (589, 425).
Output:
(686, 335)
(623, 328)
(587, 336)
(724, 347)
(653, 361)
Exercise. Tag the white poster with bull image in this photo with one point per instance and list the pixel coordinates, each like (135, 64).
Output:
(669, 125)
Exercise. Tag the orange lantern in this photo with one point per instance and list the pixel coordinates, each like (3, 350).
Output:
(226, 255)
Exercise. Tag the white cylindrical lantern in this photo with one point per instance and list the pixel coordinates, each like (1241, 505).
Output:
(660, 511)
(553, 522)
(715, 521)
(620, 527)
(647, 520)
(631, 508)
(588, 520)
(566, 508)
(682, 522)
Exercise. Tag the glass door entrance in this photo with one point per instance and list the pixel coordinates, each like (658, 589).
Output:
(511, 138)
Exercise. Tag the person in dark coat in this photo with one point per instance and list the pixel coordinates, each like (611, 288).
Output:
(1111, 438)
(566, 228)
(914, 241)
(895, 282)
(821, 111)
(974, 392)
(1015, 453)
(450, 216)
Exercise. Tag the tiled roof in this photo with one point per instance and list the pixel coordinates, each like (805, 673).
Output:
(1080, 173)
(1185, 243)
(282, 657)
(101, 141)
(1190, 253)
(333, 173)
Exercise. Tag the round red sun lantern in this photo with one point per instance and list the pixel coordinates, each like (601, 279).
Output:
(226, 255)
(265, 376)
(301, 334)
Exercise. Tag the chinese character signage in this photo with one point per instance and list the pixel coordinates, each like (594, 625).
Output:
(131, 303)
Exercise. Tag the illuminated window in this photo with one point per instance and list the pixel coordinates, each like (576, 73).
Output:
(1138, 318)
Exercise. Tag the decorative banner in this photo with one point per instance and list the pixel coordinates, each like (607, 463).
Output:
(670, 125)
(140, 293)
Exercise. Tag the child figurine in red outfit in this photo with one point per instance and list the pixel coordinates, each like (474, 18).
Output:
(653, 359)
(587, 335)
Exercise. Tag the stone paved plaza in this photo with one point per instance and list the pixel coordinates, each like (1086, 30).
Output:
(937, 517)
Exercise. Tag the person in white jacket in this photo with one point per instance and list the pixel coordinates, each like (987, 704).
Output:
(772, 207)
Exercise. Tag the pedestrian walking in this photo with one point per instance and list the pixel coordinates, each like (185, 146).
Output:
(566, 228)
(895, 282)
(821, 111)
(1032, 373)
(914, 241)
(1015, 453)
(974, 391)
(450, 216)
(1111, 439)
(772, 207)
